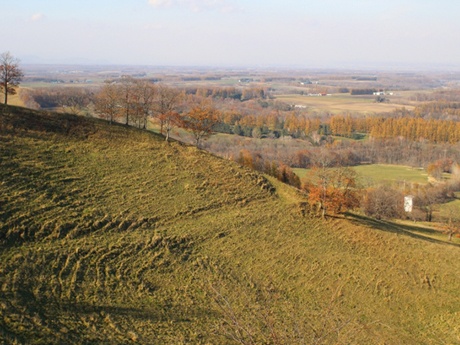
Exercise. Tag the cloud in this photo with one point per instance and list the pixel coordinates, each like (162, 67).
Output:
(37, 17)
(195, 5)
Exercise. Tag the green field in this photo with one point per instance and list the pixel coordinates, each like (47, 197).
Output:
(376, 173)
(392, 173)
(109, 235)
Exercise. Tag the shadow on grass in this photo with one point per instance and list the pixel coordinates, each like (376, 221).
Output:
(90, 323)
(16, 120)
(25, 303)
(162, 313)
(413, 231)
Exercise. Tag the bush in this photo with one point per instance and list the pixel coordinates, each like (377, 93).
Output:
(383, 202)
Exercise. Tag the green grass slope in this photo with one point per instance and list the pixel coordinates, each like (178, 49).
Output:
(109, 235)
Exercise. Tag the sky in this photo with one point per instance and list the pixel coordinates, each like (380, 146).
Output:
(234, 33)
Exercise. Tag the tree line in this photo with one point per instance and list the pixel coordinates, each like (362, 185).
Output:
(410, 128)
(136, 101)
(258, 118)
(377, 127)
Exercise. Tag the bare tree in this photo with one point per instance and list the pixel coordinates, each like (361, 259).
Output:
(107, 102)
(427, 199)
(383, 202)
(452, 222)
(10, 75)
(145, 95)
(166, 106)
(127, 96)
(74, 100)
(131, 98)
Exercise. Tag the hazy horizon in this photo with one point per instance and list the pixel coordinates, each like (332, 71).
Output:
(345, 34)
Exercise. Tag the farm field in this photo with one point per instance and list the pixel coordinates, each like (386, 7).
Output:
(392, 173)
(375, 173)
(342, 103)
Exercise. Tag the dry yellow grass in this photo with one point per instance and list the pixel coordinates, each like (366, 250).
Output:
(108, 235)
(13, 99)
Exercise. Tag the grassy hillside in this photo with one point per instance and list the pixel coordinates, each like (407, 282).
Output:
(109, 235)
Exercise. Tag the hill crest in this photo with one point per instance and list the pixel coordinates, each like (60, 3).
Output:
(67, 150)
(110, 235)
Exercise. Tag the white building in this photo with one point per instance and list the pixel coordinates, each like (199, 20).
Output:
(408, 203)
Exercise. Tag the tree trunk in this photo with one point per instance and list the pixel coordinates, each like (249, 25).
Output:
(429, 215)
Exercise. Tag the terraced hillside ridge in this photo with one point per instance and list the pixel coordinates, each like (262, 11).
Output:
(109, 235)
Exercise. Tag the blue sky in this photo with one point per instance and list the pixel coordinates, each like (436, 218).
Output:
(289, 33)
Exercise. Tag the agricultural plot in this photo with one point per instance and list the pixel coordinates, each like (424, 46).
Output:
(391, 173)
(340, 103)
(377, 173)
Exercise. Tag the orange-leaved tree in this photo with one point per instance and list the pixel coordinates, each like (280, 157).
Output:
(200, 120)
(332, 189)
